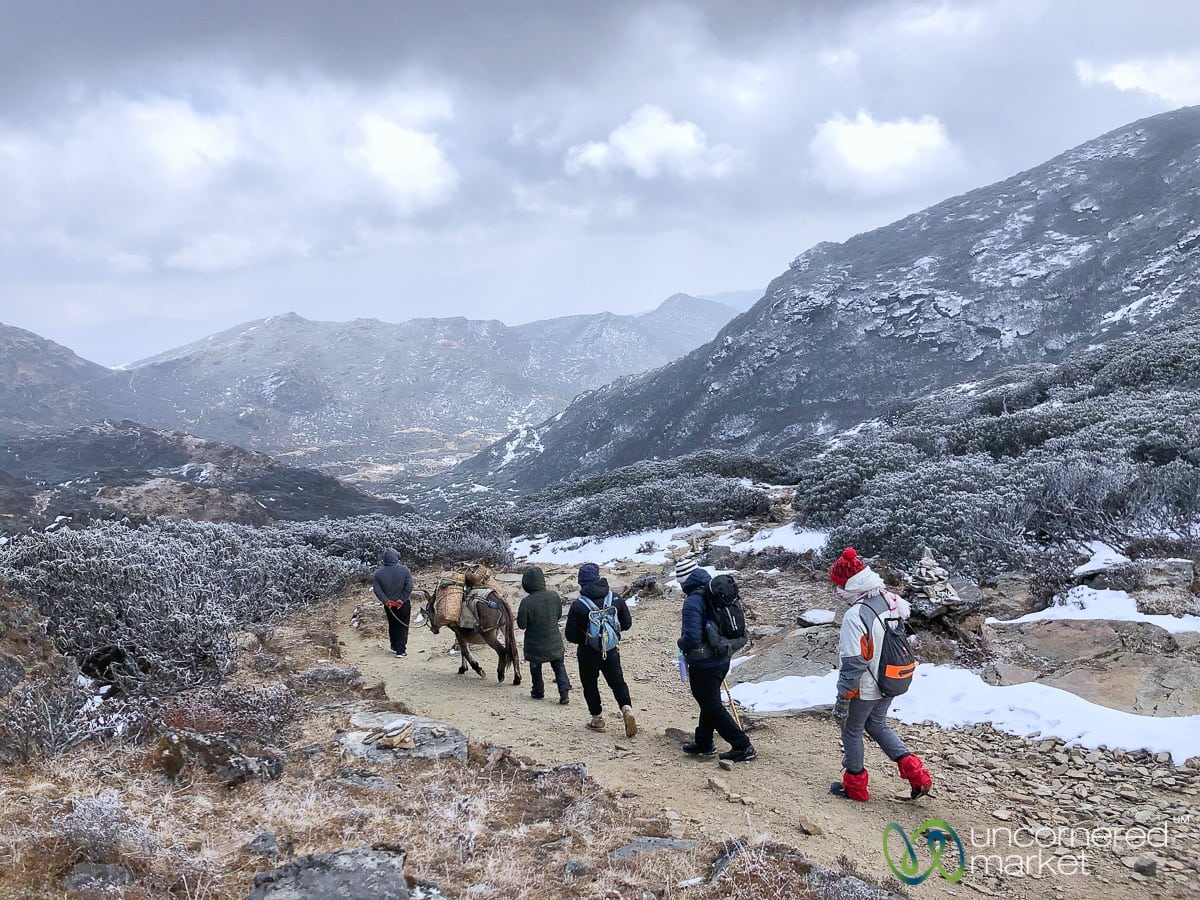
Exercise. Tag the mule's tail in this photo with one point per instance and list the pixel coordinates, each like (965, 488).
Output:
(510, 640)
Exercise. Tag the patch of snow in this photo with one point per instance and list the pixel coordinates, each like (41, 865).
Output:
(956, 698)
(526, 440)
(1103, 558)
(818, 616)
(734, 663)
(576, 551)
(1123, 312)
(785, 536)
(1113, 606)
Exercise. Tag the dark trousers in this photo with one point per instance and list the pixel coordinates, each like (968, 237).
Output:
(591, 666)
(706, 688)
(397, 620)
(559, 668)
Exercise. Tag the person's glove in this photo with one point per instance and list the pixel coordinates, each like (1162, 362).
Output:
(841, 710)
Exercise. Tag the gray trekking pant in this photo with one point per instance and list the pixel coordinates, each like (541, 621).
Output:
(869, 716)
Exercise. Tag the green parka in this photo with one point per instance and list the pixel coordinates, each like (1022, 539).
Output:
(538, 615)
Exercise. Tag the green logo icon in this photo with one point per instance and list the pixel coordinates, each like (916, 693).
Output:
(939, 837)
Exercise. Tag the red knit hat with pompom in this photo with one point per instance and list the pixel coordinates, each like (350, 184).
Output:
(847, 566)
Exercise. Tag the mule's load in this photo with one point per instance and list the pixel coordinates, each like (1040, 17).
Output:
(477, 575)
(448, 599)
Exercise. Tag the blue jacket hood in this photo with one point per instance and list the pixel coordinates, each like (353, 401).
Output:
(696, 579)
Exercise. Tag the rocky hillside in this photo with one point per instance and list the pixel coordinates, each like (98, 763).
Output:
(1087, 247)
(41, 379)
(360, 397)
(105, 470)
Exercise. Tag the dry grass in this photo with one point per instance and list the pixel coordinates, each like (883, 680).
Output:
(494, 827)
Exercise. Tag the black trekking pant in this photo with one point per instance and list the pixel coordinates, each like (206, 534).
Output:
(591, 666)
(559, 668)
(706, 688)
(397, 619)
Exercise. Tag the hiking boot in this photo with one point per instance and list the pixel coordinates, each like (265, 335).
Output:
(913, 771)
(596, 723)
(564, 698)
(400, 654)
(535, 696)
(693, 749)
(745, 754)
(853, 786)
(630, 721)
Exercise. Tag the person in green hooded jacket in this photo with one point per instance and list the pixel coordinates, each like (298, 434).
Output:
(538, 615)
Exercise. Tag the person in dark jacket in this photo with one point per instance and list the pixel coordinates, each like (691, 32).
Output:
(538, 615)
(393, 586)
(707, 669)
(593, 663)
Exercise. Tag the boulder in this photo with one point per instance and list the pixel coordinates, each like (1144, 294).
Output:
(800, 651)
(651, 845)
(224, 755)
(1008, 597)
(103, 878)
(1169, 573)
(1131, 666)
(430, 739)
(1167, 601)
(342, 875)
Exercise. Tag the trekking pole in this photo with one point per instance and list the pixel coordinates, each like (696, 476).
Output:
(732, 705)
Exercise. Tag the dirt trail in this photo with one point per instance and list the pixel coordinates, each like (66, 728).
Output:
(798, 757)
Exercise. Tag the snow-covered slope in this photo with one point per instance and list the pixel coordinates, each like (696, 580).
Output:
(1086, 247)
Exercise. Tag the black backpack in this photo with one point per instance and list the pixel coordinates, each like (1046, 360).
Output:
(725, 629)
(896, 660)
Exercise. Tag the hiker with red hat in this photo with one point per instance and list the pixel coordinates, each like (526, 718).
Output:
(867, 682)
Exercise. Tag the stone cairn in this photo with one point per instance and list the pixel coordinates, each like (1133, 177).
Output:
(929, 591)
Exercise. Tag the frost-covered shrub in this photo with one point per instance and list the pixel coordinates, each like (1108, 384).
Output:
(101, 830)
(898, 513)
(1105, 446)
(261, 713)
(154, 606)
(165, 598)
(42, 716)
(1073, 496)
(476, 533)
(656, 504)
(829, 481)
(721, 463)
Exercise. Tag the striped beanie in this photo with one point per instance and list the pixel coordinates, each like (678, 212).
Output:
(685, 566)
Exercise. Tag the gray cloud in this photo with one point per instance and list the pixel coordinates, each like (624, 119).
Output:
(172, 169)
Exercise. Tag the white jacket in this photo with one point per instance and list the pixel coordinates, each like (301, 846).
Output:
(862, 635)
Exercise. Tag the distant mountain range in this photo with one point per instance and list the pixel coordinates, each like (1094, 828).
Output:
(363, 397)
(1092, 245)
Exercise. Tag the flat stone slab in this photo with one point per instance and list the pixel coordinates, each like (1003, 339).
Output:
(651, 845)
(433, 739)
(342, 875)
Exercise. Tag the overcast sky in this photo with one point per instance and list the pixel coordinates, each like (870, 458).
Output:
(171, 169)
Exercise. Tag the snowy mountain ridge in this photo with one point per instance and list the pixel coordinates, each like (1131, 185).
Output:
(1094, 244)
(367, 397)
